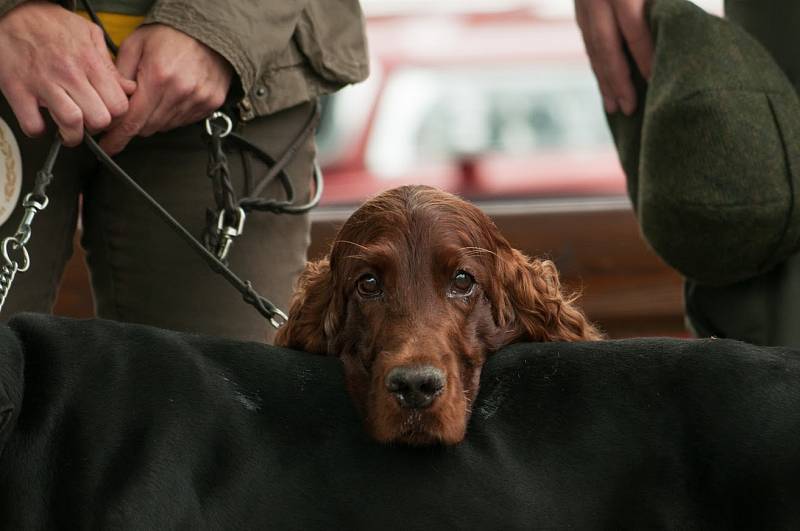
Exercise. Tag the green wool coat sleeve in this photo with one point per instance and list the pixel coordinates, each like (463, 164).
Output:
(246, 33)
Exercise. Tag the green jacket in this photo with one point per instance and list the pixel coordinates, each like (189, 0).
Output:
(285, 52)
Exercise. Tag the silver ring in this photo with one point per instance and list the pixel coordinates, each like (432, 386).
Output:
(225, 118)
(26, 263)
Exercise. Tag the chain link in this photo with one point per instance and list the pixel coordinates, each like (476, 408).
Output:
(15, 245)
(15, 257)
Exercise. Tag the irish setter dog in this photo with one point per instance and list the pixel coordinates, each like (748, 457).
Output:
(418, 289)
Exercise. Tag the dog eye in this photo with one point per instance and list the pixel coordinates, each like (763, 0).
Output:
(462, 285)
(368, 286)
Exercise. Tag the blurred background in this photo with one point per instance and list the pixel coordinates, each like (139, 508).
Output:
(493, 100)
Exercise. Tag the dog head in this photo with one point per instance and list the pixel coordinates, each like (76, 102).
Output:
(418, 289)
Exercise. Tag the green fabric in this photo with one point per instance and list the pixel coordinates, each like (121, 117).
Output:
(713, 155)
(763, 310)
(125, 7)
(776, 25)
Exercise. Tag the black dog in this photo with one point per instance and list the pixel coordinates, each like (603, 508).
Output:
(113, 426)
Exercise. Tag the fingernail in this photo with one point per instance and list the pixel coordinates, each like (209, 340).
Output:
(610, 105)
(627, 106)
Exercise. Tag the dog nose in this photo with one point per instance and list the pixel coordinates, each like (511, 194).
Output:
(415, 387)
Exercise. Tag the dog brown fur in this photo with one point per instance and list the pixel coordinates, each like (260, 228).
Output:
(389, 295)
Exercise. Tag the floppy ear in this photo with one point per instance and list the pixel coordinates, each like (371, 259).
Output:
(532, 305)
(312, 318)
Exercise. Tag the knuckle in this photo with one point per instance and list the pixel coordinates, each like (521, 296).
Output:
(99, 120)
(160, 75)
(184, 88)
(118, 107)
(96, 33)
(66, 72)
(72, 118)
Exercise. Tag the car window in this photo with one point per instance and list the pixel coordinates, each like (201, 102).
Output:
(432, 115)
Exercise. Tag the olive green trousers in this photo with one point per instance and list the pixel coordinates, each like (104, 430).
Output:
(764, 310)
(141, 271)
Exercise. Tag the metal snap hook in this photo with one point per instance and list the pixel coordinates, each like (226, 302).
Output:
(277, 323)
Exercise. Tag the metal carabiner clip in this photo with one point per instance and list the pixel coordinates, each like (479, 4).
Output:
(227, 233)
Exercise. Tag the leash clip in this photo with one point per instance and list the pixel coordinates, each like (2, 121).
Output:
(226, 233)
(226, 121)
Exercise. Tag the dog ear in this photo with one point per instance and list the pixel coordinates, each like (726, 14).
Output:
(532, 306)
(312, 318)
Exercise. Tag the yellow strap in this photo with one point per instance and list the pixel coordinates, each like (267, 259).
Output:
(117, 25)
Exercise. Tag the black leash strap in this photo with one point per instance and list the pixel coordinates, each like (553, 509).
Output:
(271, 312)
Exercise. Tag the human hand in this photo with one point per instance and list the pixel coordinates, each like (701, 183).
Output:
(52, 58)
(179, 81)
(605, 24)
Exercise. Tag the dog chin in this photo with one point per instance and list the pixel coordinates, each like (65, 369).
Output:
(418, 428)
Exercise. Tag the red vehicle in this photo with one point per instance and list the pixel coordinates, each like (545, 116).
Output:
(489, 105)
(502, 108)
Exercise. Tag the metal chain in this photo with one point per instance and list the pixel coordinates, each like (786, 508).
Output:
(14, 253)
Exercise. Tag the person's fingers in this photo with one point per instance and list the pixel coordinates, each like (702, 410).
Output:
(203, 102)
(632, 21)
(177, 93)
(65, 112)
(95, 114)
(105, 77)
(25, 107)
(187, 114)
(128, 86)
(142, 105)
(129, 56)
(584, 17)
(608, 58)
